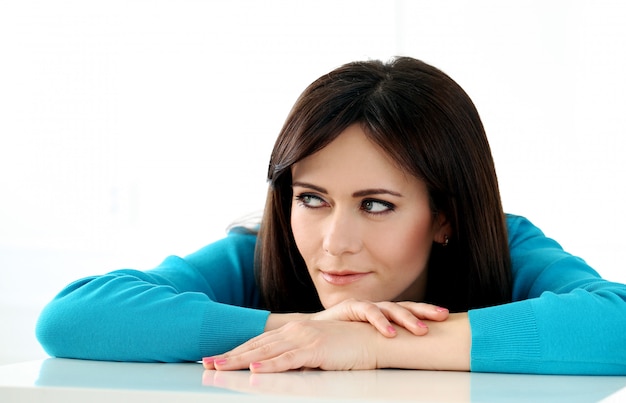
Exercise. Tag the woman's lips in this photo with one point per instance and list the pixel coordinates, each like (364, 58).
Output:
(342, 278)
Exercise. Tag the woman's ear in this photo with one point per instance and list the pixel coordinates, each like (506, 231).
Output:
(443, 229)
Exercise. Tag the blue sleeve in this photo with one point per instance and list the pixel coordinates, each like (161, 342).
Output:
(182, 310)
(564, 318)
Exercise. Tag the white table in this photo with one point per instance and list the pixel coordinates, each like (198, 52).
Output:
(62, 380)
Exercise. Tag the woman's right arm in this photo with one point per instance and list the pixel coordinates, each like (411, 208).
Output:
(182, 310)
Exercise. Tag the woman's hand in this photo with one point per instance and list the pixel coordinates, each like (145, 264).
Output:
(343, 345)
(341, 337)
(407, 314)
(324, 344)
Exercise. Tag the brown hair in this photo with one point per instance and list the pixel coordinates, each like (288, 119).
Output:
(429, 126)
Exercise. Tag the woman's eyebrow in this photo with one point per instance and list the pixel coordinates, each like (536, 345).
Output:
(309, 186)
(360, 193)
(371, 192)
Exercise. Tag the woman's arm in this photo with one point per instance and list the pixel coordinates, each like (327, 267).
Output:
(345, 345)
(446, 347)
(565, 319)
(182, 310)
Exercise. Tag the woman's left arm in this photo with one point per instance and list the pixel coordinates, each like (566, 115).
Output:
(446, 347)
(565, 319)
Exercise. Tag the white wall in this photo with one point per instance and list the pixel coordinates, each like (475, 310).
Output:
(131, 130)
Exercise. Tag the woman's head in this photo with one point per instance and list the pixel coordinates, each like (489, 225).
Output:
(428, 128)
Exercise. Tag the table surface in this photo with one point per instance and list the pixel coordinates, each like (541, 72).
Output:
(63, 380)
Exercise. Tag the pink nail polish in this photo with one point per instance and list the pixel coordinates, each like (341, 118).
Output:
(391, 329)
(440, 309)
(220, 361)
(255, 365)
(208, 360)
(421, 324)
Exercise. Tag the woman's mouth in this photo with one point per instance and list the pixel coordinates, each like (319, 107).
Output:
(342, 278)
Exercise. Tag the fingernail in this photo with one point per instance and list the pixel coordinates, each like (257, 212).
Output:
(220, 361)
(255, 365)
(208, 360)
(440, 309)
(421, 324)
(391, 329)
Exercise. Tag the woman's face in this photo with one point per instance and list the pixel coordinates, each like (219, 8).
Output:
(363, 226)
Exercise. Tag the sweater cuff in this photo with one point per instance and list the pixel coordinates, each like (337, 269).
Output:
(229, 326)
(505, 339)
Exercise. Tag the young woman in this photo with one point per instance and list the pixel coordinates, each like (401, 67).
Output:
(383, 244)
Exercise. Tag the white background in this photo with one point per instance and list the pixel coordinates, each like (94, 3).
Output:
(131, 130)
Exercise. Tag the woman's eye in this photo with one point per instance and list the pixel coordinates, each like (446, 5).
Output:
(310, 201)
(376, 206)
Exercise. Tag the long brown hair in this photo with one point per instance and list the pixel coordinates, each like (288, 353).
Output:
(429, 126)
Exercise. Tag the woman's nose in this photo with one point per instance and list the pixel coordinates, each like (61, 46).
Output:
(342, 234)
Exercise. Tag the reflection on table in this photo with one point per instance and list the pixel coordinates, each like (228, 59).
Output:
(65, 379)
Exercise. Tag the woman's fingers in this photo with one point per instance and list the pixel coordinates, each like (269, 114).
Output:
(366, 311)
(403, 317)
(412, 315)
(305, 344)
(409, 315)
(426, 311)
(383, 315)
(278, 352)
(293, 359)
(240, 357)
(266, 346)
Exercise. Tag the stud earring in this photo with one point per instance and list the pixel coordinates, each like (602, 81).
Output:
(446, 241)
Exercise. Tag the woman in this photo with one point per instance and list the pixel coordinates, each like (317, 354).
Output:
(383, 244)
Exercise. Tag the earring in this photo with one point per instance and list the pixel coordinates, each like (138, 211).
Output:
(446, 241)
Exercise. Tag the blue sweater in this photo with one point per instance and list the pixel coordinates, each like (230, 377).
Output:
(564, 319)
